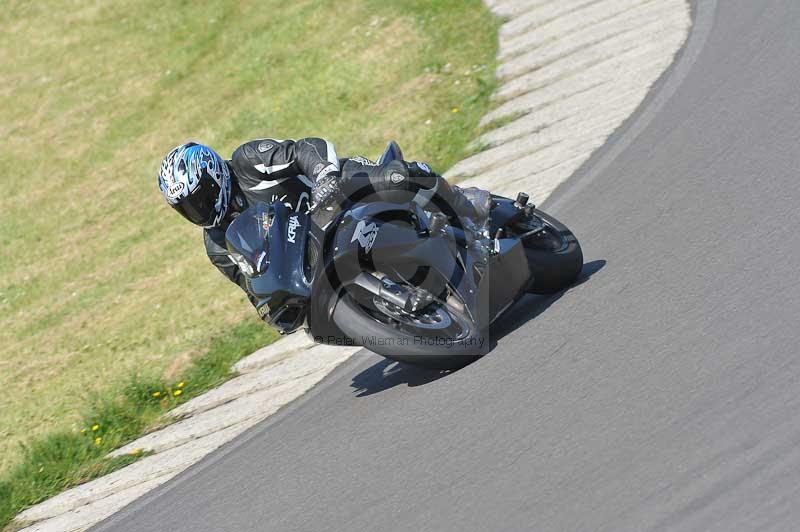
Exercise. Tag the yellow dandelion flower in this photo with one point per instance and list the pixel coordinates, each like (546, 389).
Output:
(95, 428)
(176, 393)
(98, 440)
(456, 110)
(156, 394)
(181, 384)
(83, 431)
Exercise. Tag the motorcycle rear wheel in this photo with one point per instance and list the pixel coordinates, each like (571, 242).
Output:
(554, 256)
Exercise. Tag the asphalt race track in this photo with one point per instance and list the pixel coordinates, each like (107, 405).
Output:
(662, 393)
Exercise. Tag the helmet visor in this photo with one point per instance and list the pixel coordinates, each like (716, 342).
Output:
(199, 207)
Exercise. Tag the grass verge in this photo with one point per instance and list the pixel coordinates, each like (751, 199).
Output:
(63, 459)
(98, 279)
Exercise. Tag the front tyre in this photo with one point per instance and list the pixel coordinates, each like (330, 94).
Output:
(438, 337)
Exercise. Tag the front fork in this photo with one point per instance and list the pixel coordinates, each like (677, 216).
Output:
(408, 299)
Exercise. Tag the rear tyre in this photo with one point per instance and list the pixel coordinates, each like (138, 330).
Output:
(554, 256)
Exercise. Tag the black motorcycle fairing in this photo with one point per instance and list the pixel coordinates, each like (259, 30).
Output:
(342, 262)
(507, 275)
(402, 248)
(387, 237)
(391, 153)
(301, 272)
(246, 239)
(394, 241)
(504, 213)
(282, 284)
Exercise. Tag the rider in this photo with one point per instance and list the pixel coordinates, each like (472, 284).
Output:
(210, 192)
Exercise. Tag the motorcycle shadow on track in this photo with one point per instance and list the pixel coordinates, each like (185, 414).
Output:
(386, 374)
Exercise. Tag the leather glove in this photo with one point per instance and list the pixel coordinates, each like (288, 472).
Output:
(325, 191)
(422, 174)
(420, 169)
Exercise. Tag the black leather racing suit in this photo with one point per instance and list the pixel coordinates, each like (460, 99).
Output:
(268, 170)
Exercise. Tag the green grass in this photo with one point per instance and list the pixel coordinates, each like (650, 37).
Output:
(99, 280)
(66, 458)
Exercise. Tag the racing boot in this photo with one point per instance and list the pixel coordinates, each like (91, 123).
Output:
(401, 182)
(471, 203)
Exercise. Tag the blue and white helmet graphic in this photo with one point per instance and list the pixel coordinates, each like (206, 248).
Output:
(196, 182)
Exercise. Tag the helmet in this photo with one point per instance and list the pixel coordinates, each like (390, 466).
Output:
(196, 182)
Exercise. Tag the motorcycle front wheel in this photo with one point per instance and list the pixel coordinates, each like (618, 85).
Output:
(438, 337)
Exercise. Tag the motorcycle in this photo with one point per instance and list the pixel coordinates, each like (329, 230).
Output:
(413, 286)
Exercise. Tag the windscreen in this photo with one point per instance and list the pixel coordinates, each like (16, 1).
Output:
(247, 239)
